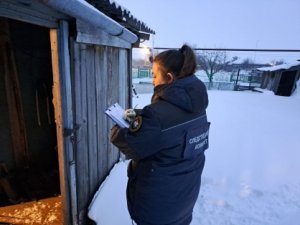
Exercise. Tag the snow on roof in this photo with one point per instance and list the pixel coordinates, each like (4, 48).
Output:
(284, 66)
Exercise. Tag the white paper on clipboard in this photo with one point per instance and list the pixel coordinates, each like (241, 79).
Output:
(116, 112)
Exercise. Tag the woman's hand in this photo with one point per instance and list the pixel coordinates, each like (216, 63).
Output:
(114, 131)
(129, 115)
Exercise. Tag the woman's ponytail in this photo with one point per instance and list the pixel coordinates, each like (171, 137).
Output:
(181, 63)
(189, 61)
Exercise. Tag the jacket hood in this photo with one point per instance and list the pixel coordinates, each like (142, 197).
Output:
(188, 93)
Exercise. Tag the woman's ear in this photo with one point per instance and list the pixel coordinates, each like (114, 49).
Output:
(170, 78)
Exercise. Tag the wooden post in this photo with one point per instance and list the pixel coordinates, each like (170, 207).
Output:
(58, 118)
(236, 81)
(66, 133)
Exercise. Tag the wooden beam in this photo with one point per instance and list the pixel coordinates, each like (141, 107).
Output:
(66, 133)
(33, 12)
(58, 119)
(92, 35)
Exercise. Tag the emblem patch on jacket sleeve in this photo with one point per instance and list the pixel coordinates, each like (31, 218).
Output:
(136, 124)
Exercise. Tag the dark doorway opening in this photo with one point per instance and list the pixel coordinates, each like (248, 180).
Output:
(286, 84)
(28, 157)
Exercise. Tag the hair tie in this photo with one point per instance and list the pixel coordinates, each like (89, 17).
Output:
(181, 50)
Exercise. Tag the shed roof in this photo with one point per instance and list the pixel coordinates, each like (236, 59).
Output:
(121, 15)
(284, 66)
(108, 15)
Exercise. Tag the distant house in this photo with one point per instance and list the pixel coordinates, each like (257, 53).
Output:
(61, 64)
(281, 79)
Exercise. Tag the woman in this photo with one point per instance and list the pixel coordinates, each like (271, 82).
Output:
(166, 143)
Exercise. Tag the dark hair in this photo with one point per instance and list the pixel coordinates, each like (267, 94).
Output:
(181, 63)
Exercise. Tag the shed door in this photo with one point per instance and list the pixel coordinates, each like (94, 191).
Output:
(286, 83)
(62, 100)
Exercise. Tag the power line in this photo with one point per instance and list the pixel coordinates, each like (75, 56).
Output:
(237, 49)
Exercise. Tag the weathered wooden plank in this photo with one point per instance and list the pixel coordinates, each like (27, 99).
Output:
(106, 101)
(123, 80)
(101, 93)
(129, 78)
(111, 88)
(79, 121)
(69, 131)
(92, 119)
(57, 102)
(114, 88)
(82, 142)
(123, 76)
(89, 34)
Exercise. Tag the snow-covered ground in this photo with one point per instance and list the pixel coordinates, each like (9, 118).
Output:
(251, 176)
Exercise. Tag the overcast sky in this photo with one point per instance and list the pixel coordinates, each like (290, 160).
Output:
(270, 24)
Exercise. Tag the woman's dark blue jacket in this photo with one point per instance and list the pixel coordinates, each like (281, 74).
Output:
(167, 153)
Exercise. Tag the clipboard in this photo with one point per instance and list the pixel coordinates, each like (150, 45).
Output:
(116, 112)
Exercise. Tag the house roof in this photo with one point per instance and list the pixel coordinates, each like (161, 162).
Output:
(284, 66)
(122, 15)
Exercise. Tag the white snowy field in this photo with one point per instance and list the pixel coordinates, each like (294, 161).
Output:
(252, 171)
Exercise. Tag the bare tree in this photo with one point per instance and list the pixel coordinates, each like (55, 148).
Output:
(275, 62)
(212, 62)
(247, 64)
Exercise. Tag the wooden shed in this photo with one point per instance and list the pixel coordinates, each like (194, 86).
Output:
(61, 64)
(281, 79)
